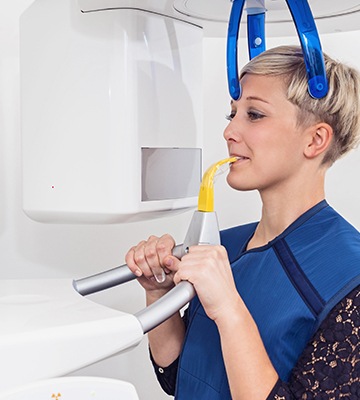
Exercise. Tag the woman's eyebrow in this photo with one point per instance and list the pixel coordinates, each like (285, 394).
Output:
(249, 98)
(257, 98)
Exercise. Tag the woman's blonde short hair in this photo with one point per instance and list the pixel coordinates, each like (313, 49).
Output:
(340, 108)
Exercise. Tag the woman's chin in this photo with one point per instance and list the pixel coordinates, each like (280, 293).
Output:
(238, 184)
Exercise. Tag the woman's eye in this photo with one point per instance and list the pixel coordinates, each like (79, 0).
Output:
(254, 115)
(230, 116)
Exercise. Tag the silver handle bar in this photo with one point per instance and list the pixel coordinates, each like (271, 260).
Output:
(112, 277)
(203, 229)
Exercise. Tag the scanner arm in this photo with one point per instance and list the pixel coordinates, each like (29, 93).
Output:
(203, 229)
(255, 27)
(232, 49)
(310, 43)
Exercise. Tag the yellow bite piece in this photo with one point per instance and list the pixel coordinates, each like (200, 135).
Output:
(206, 193)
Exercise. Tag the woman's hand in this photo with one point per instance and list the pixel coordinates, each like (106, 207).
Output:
(148, 261)
(208, 269)
(248, 367)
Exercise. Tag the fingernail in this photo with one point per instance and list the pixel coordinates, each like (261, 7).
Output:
(160, 278)
(169, 262)
(138, 272)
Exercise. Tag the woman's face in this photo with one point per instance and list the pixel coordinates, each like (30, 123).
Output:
(263, 133)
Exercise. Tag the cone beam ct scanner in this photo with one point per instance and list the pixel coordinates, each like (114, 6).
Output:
(49, 327)
(51, 322)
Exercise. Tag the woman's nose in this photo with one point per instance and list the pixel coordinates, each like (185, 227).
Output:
(230, 134)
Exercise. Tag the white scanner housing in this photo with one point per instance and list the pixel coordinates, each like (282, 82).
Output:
(49, 330)
(111, 104)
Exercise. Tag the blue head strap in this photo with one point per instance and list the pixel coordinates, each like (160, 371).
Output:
(308, 35)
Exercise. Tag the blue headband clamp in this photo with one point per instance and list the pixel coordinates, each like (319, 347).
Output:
(308, 35)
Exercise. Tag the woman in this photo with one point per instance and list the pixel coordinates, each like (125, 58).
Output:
(275, 315)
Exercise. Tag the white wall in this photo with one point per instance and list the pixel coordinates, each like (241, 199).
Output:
(32, 250)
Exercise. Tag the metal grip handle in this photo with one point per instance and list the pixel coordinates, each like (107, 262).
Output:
(203, 229)
(158, 312)
(112, 277)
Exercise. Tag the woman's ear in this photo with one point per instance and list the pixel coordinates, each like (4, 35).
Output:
(320, 137)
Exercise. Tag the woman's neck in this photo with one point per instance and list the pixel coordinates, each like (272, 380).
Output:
(280, 210)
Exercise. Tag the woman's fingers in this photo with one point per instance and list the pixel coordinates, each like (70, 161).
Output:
(148, 257)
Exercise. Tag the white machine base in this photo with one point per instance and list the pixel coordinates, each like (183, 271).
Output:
(49, 330)
(74, 388)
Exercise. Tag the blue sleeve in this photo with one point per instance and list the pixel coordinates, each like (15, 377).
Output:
(167, 375)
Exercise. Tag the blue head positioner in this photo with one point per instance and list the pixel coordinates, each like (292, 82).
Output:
(308, 35)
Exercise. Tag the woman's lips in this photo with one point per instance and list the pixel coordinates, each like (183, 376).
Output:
(240, 158)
